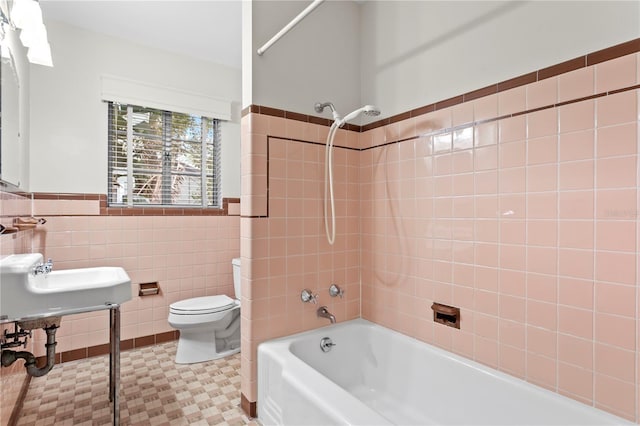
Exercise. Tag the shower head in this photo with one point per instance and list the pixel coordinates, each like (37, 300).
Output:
(369, 110)
(319, 107)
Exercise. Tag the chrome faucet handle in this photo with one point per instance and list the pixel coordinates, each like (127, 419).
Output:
(334, 291)
(307, 296)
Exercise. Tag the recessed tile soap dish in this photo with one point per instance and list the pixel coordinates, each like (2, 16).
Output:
(447, 315)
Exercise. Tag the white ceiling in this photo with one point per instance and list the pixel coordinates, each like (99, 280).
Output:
(206, 29)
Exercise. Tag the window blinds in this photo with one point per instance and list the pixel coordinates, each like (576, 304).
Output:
(162, 158)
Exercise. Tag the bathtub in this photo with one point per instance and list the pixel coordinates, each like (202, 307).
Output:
(375, 376)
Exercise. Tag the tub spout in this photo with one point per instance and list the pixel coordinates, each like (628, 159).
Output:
(323, 312)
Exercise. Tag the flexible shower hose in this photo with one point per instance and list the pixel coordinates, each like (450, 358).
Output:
(328, 184)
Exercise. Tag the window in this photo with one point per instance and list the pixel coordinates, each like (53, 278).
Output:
(162, 158)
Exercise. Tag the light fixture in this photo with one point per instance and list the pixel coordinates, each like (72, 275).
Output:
(4, 49)
(5, 26)
(26, 15)
(40, 54)
(5, 53)
(4, 19)
(33, 35)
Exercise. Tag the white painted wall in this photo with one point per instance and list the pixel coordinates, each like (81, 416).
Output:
(318, 60)
(247, 52)
(418, 52)
(68, 139)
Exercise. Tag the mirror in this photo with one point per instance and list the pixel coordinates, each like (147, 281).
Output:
(9, 114)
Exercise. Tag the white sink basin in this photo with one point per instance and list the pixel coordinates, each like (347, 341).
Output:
(24, 294)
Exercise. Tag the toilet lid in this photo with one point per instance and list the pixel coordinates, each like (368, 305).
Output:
(202, 305)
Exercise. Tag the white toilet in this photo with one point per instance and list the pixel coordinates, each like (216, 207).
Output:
(209, 326)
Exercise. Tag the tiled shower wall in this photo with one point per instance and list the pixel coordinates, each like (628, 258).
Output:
(285, 249)
(519, 207)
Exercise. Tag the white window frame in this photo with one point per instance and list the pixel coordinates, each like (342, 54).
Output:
(115, 187)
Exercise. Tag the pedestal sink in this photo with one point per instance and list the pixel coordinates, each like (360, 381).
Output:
(29, 291)
(24, 293)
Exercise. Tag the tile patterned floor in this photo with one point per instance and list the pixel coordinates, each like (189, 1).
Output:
(154, 391)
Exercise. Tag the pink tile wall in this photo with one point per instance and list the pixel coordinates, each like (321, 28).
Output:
(189, 256)
(11, 206)
(284, 248)
(528, 223)
(12, 378)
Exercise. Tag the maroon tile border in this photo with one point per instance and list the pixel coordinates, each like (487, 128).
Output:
(98, 350)
(274, 112)
(399, 117)
(249, 407)
(168, 336)
(522, 80)
(424, 110)
(74, 355)
(105, 210)
(607, 54)
(139, 342)
(479, 93)
(162, 211)
(62, 196)
(91, 351)
(613, 52)
(296, 116)
(320, 120)
(126, 345)
(562, 68)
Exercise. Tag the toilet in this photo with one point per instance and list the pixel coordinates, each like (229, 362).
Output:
(209, 326)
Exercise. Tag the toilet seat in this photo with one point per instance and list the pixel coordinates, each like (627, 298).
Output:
(202, 305)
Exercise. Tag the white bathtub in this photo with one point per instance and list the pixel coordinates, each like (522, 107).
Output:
(375, 376)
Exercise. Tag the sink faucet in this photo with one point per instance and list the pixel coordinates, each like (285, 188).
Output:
(43, 268)
(323, 312)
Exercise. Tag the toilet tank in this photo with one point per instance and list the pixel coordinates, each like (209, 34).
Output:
(236, 277)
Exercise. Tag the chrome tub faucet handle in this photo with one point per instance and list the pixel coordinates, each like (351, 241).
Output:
(334, 291)
(307, 296)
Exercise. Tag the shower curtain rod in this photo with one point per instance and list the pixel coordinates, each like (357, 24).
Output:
(290, 25)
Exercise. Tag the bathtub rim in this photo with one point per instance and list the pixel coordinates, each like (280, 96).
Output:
(296, 362)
